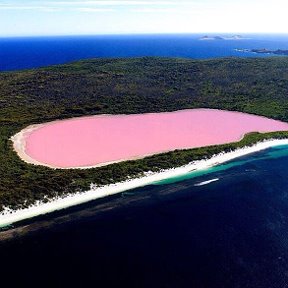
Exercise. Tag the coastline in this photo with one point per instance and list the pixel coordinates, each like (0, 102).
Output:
(8, 217)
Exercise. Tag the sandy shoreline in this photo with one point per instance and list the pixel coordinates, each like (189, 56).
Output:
(9, 217)
(19, 143)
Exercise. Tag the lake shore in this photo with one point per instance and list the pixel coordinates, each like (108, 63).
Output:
(8, 217)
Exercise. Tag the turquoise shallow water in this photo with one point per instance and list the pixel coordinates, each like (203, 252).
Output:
(276, 152)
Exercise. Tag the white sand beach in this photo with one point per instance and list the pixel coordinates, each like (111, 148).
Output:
(8, 217)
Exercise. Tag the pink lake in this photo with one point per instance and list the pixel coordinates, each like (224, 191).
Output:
(96, 140)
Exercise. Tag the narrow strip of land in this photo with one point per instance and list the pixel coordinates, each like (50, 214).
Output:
(8, 216)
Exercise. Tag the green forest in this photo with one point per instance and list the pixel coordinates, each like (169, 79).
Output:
(137, 85)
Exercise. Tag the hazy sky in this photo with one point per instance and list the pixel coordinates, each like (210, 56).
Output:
(51, 17)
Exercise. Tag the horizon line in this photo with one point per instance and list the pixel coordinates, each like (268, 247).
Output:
(140, 34)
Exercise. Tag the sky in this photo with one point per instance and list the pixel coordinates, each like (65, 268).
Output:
(74, 17)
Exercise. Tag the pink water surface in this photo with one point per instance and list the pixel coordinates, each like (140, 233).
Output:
(87, 141)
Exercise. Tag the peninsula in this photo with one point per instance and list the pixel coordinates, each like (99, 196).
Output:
(265, 51)
(268, 51)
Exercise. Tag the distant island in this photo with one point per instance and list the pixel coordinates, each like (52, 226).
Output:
(206, 37)
(234, 37)
(264, 51)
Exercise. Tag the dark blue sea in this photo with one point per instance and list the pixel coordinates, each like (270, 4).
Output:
(25, 53)
(232, 232)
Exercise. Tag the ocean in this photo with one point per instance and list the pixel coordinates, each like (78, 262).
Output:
(223, 227)
(26, 53)
(229, 232)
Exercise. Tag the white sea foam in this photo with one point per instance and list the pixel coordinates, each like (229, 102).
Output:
(207, 182)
